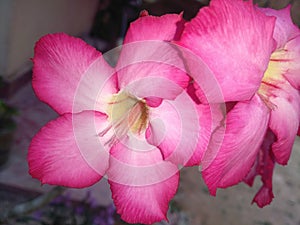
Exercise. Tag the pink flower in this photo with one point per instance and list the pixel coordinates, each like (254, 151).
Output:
(280, 91)
(260, 82)
(133, 122)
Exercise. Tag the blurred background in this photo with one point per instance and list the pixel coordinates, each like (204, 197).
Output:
(103, 24)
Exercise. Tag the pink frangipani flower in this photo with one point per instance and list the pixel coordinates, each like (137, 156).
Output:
(132, 122)
(254, 55)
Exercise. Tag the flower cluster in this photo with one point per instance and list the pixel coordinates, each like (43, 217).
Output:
(220, 91)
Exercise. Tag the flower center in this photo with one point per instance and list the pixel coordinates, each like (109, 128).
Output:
(275, 69)
(272, 76)
(127, 113)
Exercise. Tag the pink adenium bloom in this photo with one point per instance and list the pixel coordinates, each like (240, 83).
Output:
(254, 55)
(133, 122)
(280, 91)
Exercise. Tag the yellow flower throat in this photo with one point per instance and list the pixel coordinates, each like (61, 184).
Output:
(273, 75)
(127, 113)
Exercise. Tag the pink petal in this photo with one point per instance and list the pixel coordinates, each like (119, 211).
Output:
(265, 168)
(135, 162)
(260, 167)
(94, 91)
(191, 90)
(165, 28)
(151, 69)
(263, 197)
(285, 30)
(142, 183)
(235, 40)
(148, 66)
(203, 86)
(210, 117)
(237, 148)
(284, 121)
(146, 204)
(67, 151)
(181, 129)
(254, 171)
(290, 63)
(60, 62)
(153, 101)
